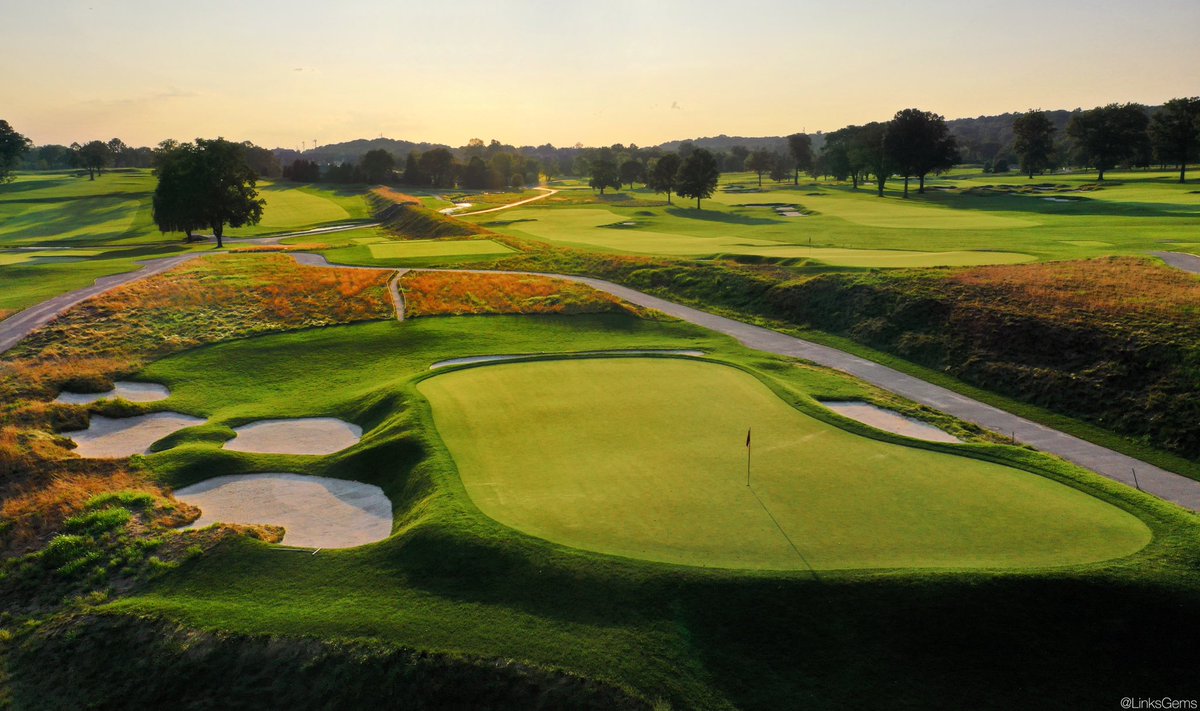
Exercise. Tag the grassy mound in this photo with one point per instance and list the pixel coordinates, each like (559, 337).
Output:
(69, 665)
(410, 220)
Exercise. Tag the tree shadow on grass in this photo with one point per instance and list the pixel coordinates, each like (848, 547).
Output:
(731, 218)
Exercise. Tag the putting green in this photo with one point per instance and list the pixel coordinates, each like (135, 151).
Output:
(413, 249)
(644, 457)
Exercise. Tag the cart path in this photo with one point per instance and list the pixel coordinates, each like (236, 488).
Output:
(1180, 260)
(548, 192)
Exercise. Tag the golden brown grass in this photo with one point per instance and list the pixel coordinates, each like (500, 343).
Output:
(257, 248)
(1116, 287)
(210, 299)
(394, 196)
(458, 293)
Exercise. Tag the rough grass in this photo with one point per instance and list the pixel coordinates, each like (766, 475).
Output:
(404, 216)
(299, 247)
(457, 294)
(210, 299)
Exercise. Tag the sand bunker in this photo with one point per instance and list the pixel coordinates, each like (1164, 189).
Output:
(492, 358)
(890, 421)
(311, 435)
(133, 392)
(315, 511)
(109, 438)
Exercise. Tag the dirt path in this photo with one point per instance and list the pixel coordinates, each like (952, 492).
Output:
(548, 192)
(1113, 465)
(22, 323)
(1180, 260)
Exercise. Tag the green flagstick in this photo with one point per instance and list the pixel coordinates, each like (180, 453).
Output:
(747, 456)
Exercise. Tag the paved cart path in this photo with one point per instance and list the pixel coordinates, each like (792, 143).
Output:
(1180, 260)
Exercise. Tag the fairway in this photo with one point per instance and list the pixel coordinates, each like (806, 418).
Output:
(424, 248)
(644, 458)
(607, 231)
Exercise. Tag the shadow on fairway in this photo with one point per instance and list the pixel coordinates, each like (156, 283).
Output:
(715, 216)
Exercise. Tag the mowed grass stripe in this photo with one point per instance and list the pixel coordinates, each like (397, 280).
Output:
(645, 458)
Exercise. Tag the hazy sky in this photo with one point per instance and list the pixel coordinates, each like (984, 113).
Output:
(599, 72)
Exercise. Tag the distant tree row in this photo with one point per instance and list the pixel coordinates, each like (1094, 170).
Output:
(1109, 136)
(913, 144)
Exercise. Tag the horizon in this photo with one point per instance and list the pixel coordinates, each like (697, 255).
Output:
(560, 77)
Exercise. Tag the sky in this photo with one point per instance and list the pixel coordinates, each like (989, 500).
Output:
(287, 73)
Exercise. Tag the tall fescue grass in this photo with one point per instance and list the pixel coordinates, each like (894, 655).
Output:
(457, 294)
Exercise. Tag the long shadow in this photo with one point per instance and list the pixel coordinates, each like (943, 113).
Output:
(715, 216)
(1079, 205)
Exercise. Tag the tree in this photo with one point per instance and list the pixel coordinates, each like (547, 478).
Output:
(1107, 135)
(12, 146)
(632, 170)
(475, 175)
(207, 184)
(759, 162)
(800, 146)
(918, 142)
(1033, 141)
(377, 165)
(868, 150)
(1175, 130)
(92, 156)
(604, 174)
(437, 166)
(303, 171)
(698, 176)
(663, 172)
(173, 203)
(412, 170)
(781, 167)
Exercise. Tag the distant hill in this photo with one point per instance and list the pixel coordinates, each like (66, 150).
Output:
(352, 151)
(980, 138)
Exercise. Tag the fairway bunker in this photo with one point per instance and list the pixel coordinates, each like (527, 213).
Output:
(497, 358)
(310, 435)
(109, 438)
(890, 421)
(128, 391)
(315, 511)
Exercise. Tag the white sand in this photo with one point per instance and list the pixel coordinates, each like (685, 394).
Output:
(109, 438)
(890, 421)
(493, 358)
(317, 512)
(133, 392)
(791, 213)
(311, 435)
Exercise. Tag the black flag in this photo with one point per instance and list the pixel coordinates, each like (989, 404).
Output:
(747, 437)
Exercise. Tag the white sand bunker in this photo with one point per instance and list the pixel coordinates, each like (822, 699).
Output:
(132, 392)
(310, 435)
(890, 421)
(315, 511)
(109, 438)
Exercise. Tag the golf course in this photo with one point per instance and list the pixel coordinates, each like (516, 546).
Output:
(715, 381)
